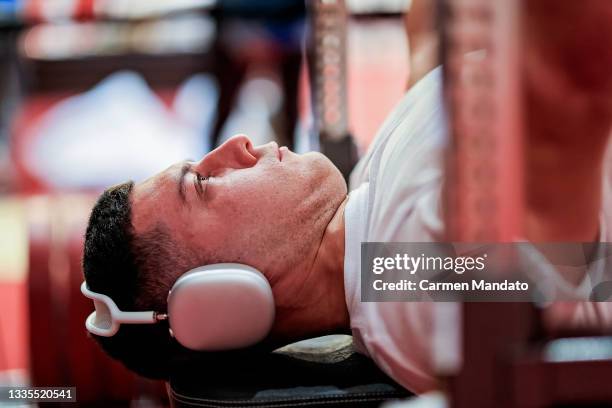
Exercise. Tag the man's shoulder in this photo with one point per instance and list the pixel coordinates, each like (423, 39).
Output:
(422, 119)
(406, 168)
(404, 124)
(415, 143)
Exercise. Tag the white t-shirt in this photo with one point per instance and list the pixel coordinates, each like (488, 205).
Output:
(395, 197)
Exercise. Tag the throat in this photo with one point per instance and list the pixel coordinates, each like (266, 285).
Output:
(327, 275)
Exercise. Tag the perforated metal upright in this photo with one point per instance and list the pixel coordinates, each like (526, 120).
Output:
(502, 359)
(327, 67)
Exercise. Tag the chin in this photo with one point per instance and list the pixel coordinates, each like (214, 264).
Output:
(336, 179)
(331, 181)
(328, 172)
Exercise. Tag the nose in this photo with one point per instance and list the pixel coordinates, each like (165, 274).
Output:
(237, 152)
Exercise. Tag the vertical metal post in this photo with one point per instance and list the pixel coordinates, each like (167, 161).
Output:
(329, 82)
(483, 193)
(329, 36)
(482, 77)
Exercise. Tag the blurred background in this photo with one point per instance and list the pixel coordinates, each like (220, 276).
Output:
(95, 92)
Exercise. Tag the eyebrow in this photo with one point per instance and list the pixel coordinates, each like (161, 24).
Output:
(185, 168)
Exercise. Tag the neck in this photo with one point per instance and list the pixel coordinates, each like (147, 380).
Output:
(327, 273)
(316, 304)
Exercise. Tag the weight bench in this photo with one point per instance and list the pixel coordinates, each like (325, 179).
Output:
(325, 372)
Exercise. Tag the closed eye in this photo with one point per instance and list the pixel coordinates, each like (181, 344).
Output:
(197, 182)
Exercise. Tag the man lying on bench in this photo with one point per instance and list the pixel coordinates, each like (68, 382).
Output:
(290, 217)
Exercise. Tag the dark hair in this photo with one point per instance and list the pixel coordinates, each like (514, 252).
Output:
(136, 272)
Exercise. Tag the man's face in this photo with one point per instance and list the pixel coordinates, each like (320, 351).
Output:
(262, 206)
